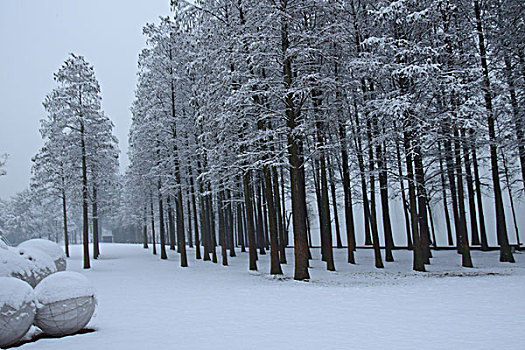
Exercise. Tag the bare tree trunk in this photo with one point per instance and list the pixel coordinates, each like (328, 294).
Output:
(163, 254)
(152, 213)
(403, 197)
(94, 210)
(278, 210)
(249, 221)
(481, 215)
(64, 213)
(145, 228)
(171, 224)
(444, 195)
(418, 261)
(85, 219)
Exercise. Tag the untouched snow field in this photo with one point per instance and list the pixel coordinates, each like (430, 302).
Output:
(147, 303)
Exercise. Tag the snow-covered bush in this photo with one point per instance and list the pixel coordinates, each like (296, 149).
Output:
(13, 265)
(65, 303)
(50, 248)
(17, 309)
(41, 264)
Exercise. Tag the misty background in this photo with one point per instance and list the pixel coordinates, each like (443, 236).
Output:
(37, 36)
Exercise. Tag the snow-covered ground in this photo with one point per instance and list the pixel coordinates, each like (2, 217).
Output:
(146, 303)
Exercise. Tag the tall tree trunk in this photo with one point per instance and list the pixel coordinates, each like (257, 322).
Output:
(145, 228)
(449, 159)
(171, 224)
(511, 199)
(163, 254)
(195, 216)
(295, 148)
(64, 216)
(385, 209)
(334, 207)
(152, 213)
(465, 249)
(188, 206)
(444, 195)
(278, 210)
(240, 228)
(85, 218)
(403, 197)
(470, 190)
(250, 221)
(481, 215)
(259, 219)
(349, 213)
(222, 228)
(424, 232)
(275, 267)
(94, 210)
(418, 261)
(501, 226)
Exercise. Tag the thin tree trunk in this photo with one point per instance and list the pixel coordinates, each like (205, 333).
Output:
(94, 210)
(64, 213)
(444, 195)
(278, 210)
(163, 254)
(470, 191)
(171, 224)
(249, 221)
(275, 267)
(481, 215)
(349, 213)
(152, 213)
(334, 207)
(418, 261)
(85, 219)
(501, 226)
(222, 228)
(403, 197)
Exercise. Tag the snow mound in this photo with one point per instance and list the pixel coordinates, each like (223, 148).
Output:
(66, 303)
(50, 248)
(13, 265)
(17, 309)
(41, 264)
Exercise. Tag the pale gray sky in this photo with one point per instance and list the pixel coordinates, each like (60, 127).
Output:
(36, 37)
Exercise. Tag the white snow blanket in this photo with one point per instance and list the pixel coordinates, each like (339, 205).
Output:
(13, 265)
(17, 309)
(66, 303)
(41, 264)
(50, 248)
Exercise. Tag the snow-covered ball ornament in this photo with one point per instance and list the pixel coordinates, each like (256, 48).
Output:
(13, 265)
(50, 248)
(17, 309)
(41, 264)
(65, 303)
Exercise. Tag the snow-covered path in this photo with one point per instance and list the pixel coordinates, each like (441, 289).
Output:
(146, 303)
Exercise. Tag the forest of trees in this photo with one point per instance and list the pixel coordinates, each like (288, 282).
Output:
(253, 119)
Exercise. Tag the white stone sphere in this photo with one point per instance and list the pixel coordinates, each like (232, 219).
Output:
(13, 265)
(17, 309)
(65, 303)
(41, 264)
(50, 248)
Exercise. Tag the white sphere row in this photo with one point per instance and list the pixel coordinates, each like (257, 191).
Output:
(61, 303)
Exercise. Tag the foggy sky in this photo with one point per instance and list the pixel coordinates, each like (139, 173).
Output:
(36, 38)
